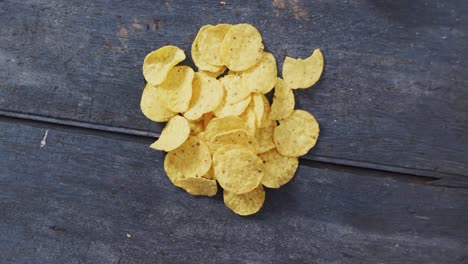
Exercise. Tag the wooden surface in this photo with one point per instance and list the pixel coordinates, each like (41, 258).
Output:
(85, 192)
(393, 95)
(386, 183)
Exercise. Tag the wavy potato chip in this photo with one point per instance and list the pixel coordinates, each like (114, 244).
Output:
(296, 134)
(158, 63)
(236, 109)
(240, 176)
(223, 124)
(207, 95)
(174, 134)
(176, 90)
(152, 106)
(279, 169)
(242, 47)
(196, 56)
(246, 203)
(261, 78)
(264, 137)
(283, 101)
(209, 43)
(238, 137)
(235, 91)
(214, 74)
(303, 73)
(250, 119)
(198, 186)
(191, 159)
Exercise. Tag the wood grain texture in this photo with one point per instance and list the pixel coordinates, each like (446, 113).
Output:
(393, 94)
(75, 199)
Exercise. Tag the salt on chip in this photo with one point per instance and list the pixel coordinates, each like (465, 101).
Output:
(283, 101)
(191, 159)
(238, 137)
(196, 56)
(209, 43)
(221, 125)
(279, 169)
(296, 134)
(198, 186)
(158, 63)
(235, 90)
(241, 176)
(173, 135)
(227, 109)
(242, 47)
(207, 95)
(303, 73)
(176, 90)
(261, 78)
(152, 106)
(246, 203)
(264, 137)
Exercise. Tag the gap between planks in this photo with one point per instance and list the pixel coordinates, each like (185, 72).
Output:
(399, 173)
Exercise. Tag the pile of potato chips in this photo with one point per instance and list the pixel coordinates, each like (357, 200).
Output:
(220, 126)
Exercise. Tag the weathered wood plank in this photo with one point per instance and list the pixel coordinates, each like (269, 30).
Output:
(75, 199)
(393, 92)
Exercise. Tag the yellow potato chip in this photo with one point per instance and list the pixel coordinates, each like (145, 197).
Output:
(279, 169)
(201, 136)
(246, 203)
(214, 74)
(264, 137)
(296, 134)
(158, 63)
(209, 43)
(235, 91)
(209, 174)
(152, 106)
(207, 117)
(266, 111)
(261, 78)
(176, 90)
(238, 170)
(258, 107)
(225, 148)
(223, 124)
(283, 101)
(242, 47)
(196, 56)
(236, 109)
(191, 159)
(198, 186)
(250, 119)
(303, 73)
(173, 135)
(234, 137)
(196, 127)
(207, 95)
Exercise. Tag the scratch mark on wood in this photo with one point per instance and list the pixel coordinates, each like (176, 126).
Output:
(43, 141)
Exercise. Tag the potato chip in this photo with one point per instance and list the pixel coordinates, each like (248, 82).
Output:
(152, 107)
(296, 134)
(196, 127)
(176, 90)
(238, 170)
(210, 174)
(198, 186)
(258, 108)
(221, 125)
(196, 56)
(266, 111)
(234, 137)
(235, 91)
(214, 74)
(303, 73)
(207, 95)
(236, 109)
(283, 101)
(158, 63)
(191, 159)
(246, 203)
(261, 78)
(209, 43)
(225, 148)
(207, 117)
(173, 135)
(264, 137)
(250, 119)
(279, 169)
(242, 47)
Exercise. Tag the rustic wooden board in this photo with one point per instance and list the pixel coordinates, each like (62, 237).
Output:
(75, 199)
(393, 95)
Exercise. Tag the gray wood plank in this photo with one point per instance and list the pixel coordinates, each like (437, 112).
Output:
(75, 199)
(393, 94)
